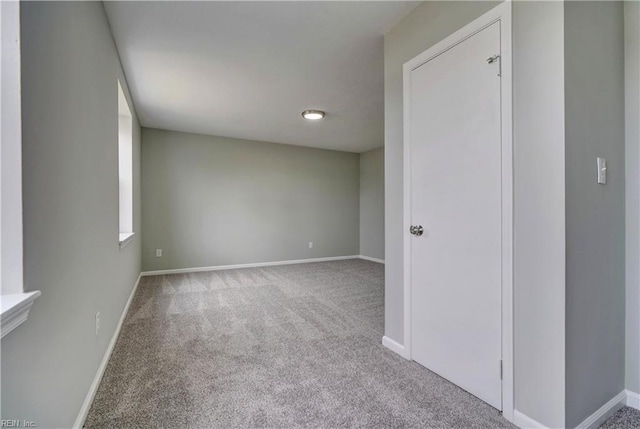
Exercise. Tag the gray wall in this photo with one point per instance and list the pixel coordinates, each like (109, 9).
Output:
(539, 211)
(372, 203)
(210, 201)
(539, 199)
(595, 231)
(632, 186)
(70, 173)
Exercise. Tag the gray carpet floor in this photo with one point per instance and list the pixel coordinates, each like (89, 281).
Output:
(295, 346)
(276, 347)
(625, 418)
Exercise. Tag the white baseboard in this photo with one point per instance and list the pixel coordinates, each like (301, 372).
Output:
(607, 410)
(369, 258)
(88, 400)
(633, 400)
(525, 422)
(394, 346)
(592, 422)
(254, 265)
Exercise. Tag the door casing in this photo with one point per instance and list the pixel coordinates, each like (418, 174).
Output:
(502, 13)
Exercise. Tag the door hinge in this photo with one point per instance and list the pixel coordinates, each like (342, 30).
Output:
(500, 369)
(493, 59)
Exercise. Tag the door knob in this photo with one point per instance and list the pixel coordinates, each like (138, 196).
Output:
(416, 230)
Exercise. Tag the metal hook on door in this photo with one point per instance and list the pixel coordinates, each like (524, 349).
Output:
(493, 59)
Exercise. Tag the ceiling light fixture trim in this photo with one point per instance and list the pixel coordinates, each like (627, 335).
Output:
(314, 115)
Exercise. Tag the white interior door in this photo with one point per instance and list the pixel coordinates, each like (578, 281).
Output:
(456, 196)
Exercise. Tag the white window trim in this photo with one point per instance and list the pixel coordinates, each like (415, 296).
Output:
(125, 239)
(15, 310)
(15, 303)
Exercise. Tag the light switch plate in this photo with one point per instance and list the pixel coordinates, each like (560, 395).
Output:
(602, 171)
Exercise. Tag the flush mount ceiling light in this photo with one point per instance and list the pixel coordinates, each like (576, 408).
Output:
(313, 114)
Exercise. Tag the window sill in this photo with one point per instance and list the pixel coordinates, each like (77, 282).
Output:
(15, 310)
(125, 239)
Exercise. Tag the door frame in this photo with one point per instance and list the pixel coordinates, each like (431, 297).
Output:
(503, 14)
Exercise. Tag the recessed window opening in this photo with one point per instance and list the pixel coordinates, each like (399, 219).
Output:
(125, 166)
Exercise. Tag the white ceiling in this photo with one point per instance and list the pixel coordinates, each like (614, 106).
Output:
(248, 69)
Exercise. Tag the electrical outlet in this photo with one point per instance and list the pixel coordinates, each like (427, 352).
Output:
(97, 323)
(311, 245)
(158, 253)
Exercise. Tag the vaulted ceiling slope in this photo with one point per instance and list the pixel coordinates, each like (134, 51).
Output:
(248, 69)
